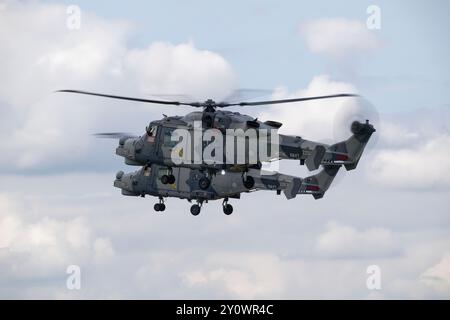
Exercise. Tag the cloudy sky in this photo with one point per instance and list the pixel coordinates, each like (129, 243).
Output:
(57, 203)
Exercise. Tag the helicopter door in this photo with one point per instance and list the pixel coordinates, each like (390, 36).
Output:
(181, 184)
(183, 180)
(164, 171)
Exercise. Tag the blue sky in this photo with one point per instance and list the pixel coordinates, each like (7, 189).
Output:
(262, 41)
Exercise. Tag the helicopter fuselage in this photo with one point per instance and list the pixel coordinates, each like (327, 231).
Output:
(221, 140)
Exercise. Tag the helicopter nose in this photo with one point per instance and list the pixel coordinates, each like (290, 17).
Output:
(122, 181)
(125, 183)
(122, 140)
(127, 148)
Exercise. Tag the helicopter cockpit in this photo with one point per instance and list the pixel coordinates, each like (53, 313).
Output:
(151, 130)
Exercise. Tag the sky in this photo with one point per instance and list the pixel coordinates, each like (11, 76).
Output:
(57, 204)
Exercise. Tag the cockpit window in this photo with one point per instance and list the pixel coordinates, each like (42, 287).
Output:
(151, 130)
(168, 138)
(147, 171)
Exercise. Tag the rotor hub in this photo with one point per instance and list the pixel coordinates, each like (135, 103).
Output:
(209, 105)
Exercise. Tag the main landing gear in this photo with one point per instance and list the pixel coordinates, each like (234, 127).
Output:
(196, 208)
(227, 208)
(168, 178)
(160, 206)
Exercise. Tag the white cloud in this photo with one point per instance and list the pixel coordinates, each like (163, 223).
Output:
(438, 276)
(339, 38)
(416, 167)
(340, 241)
(127, 251)
(243, 276)
(324, 120)
(395, 135)
(40, 248)
(413, 150)
(9, 225)
(251, 275)
(164, 68)
(103, 249)
(41, 129)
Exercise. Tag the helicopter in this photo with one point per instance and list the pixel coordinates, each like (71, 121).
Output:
(218, 154)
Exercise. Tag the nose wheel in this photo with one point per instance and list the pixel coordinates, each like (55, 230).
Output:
(227, 208)
(160, 206)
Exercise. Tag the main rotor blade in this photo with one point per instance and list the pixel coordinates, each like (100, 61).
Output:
(113, 135)
(260, 103)
(176, 103)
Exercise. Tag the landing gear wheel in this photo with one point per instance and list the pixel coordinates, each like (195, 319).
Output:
(160, 206)
(228, 209)
(204, 183)
(195, 210)
(171, 179)
(165, 179)
(249, 182)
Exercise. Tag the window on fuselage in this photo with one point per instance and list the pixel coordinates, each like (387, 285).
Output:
(151, 131)
(147, 171)
(167, 137)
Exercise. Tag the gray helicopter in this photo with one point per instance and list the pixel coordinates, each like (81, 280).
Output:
(174, 161)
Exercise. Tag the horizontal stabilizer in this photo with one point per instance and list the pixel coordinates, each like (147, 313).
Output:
(292, 189)
(314, 160)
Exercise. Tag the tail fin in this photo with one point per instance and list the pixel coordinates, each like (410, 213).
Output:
(316, 184)
(349, 152)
